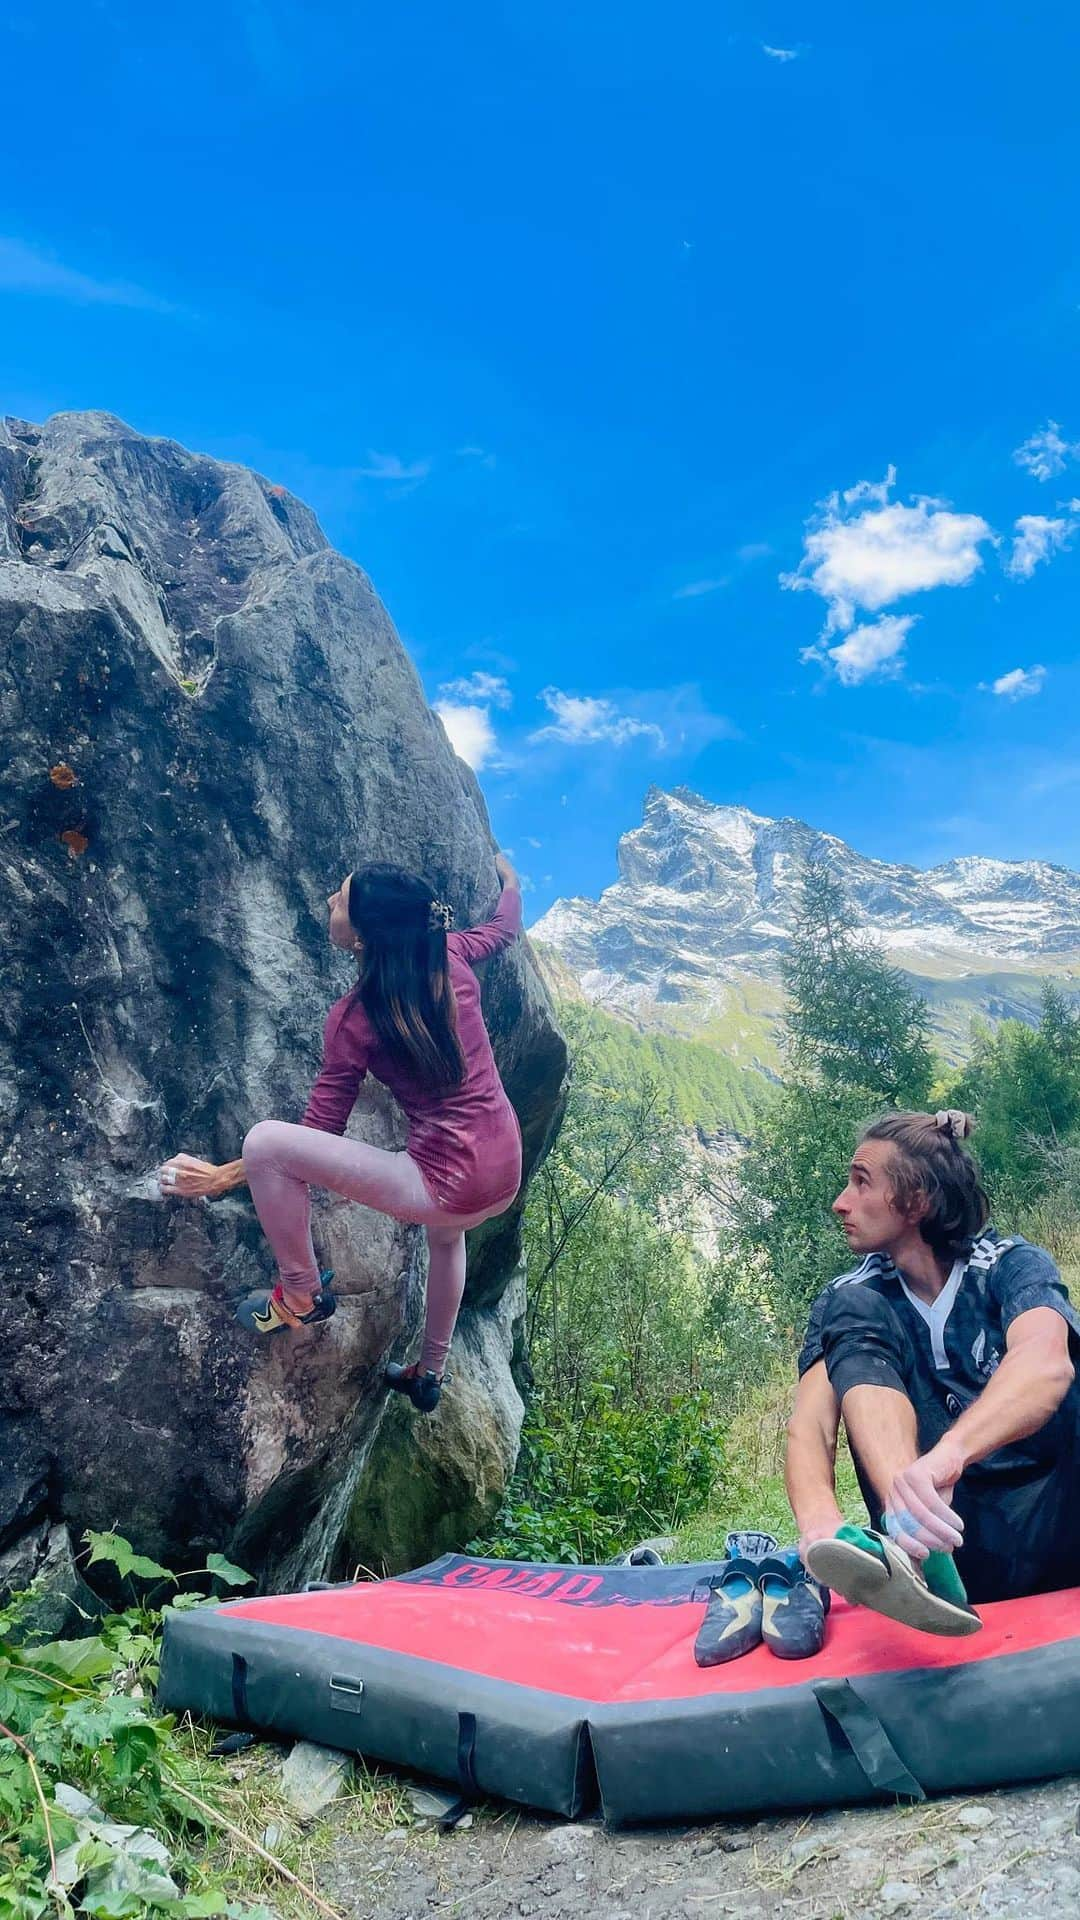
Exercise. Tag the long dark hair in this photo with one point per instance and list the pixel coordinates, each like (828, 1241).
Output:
(404, 984)
(929, 1162)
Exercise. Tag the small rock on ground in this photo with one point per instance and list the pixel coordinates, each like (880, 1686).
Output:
(313, 1776)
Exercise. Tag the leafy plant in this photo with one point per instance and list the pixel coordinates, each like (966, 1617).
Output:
(856, 1043)
(590, 1482)
(98, 1798)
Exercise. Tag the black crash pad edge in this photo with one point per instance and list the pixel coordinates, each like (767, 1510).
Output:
(987, 1723)
(526, 1745)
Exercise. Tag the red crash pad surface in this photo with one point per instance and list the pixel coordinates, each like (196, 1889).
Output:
(554, 1640)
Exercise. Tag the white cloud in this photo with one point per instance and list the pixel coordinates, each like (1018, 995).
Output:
(1021, 683)
(780, 53)
(387, 466)
(863, 550)
(696, 588)
(1036, 538)
(754, 550)
(581, 721)
(464, 707)
(470, 732)
(872, 652)
(488, 688)
(1046, 453)
(481, 454)
(673, 719)
(26, 269)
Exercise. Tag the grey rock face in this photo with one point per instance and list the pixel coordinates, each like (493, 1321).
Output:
(438, 1477)
(206, 719)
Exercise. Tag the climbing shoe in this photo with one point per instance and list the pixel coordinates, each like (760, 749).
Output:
(732, 1623)
(423, 1389)
(872, 1571)
(643, 1556)
(748, 1545)
(793, 1607)
(267, 1312)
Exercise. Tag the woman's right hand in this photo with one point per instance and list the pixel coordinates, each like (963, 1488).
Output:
(185, 1178)
(505, 871)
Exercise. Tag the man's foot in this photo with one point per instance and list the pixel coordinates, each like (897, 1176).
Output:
(423, 1389)
(793, 1608)
(732, 1623)
(268, 1312)
(874, 1572)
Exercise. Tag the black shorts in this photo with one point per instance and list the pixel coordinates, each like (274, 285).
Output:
(1021, 1523)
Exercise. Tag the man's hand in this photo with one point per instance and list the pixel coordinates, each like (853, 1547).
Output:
(185, 1178)
(505, 871)
(822, 1526)
(918, 1512)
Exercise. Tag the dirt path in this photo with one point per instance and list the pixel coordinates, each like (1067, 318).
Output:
(1009, 1853)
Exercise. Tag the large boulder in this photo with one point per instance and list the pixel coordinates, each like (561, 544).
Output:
(206, 718)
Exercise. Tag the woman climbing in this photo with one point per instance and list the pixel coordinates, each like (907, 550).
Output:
(414, 1021)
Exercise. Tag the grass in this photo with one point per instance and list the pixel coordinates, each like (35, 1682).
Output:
(247, 1790)
(751, 1493)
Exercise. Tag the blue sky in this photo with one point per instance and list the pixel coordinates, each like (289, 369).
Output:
(594, 335)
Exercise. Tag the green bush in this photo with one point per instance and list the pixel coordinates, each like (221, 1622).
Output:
(592, 1483)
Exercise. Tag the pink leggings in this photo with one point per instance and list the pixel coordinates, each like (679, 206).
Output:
(282, 1161)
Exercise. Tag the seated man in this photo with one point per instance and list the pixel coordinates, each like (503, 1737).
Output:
(948, 1354)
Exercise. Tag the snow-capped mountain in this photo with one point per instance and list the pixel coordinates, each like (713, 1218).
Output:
(707, 896)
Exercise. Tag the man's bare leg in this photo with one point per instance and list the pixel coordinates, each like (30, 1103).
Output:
(882, 1431)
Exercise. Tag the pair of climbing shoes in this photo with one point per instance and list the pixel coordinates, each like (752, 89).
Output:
(267, 1312)
(763, 1594)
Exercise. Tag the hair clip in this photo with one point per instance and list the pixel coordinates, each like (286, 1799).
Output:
(441, 917)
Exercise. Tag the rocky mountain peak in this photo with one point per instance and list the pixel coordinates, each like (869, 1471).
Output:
(707, 895)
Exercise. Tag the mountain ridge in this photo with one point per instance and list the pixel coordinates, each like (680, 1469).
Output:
(707, 895)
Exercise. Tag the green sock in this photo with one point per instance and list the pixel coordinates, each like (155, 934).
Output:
(939, 1572)
(938, 1569)
(858, 1537)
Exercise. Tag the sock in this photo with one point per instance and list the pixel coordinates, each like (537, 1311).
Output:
(939, 1572)
(858, 1537)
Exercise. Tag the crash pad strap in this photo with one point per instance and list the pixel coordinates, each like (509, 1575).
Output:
(867, 1738)
(239, 1690)
(466, 1753)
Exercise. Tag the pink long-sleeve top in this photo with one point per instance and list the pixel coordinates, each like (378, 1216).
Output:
(465, 1140)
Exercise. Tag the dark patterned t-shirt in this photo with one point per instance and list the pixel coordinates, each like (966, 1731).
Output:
(958, 1340)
